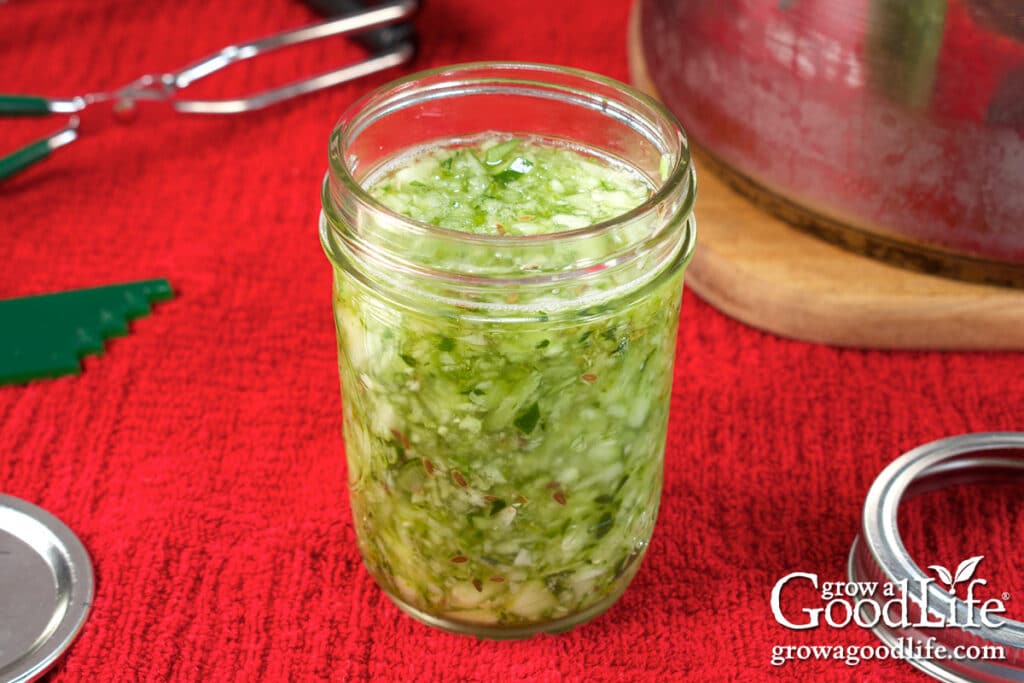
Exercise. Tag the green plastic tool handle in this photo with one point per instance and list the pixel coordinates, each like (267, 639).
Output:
(24, 105)
(24, 157)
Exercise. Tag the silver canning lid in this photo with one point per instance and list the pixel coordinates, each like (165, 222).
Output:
(46, 587)
(878, 554)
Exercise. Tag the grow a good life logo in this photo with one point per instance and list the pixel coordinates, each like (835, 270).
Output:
(899, 605)
(869, 603)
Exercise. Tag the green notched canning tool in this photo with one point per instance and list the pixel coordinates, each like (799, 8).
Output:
(47, 335)
(96, 109)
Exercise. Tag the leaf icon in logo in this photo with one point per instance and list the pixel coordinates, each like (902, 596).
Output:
(943, 573)
(964, 571)
(967, 568)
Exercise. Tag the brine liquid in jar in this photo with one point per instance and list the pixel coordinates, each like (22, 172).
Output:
(505, 471)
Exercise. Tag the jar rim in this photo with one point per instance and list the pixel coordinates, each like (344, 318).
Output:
(367, 105)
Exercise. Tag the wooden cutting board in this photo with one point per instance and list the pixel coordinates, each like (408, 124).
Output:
(760, 270)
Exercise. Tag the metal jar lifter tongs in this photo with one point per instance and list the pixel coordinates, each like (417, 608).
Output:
(388, 45)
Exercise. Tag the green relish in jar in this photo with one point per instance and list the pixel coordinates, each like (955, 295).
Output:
(506, 306)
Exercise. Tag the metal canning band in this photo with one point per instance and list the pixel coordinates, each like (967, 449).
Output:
(879, 554)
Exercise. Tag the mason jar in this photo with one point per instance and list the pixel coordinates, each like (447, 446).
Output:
(506, 397)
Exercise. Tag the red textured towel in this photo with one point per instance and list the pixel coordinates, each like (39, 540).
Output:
(200, 460)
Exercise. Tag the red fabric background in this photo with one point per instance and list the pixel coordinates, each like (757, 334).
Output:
(200, 459)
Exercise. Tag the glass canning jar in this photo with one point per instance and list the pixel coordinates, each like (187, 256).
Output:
(506, 397)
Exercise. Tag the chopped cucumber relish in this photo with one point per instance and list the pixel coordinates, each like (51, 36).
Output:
(505, 474)
(510, 186)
